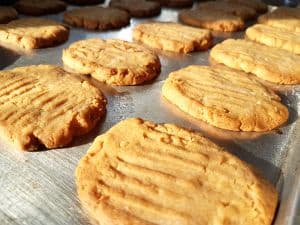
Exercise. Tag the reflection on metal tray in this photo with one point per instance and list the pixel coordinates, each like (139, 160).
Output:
(38, 188)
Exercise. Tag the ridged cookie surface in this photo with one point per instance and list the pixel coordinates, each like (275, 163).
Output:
(112, 61)
(283, 17)
(30, 33)
(97, 18)
(225, 98)
(45, 105)
(40, 7)
(275, 37)
(7, 14)
(141, 173)
(236, 9)
(271, 64)
(173, 37)
(212, 19)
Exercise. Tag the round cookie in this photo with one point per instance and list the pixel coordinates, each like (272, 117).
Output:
(175, 3)
(225, 98)
(40, 7)
(282, 17)
(112, 61)
(7, 14)
(143, 173)
(45, 105)
(257, 5)
(242, 11)
(85, 2)
(30, 33)
(97, 18)
(173, 37)
(137, 8)
(275, 37)
(268, 63)
(212, 19)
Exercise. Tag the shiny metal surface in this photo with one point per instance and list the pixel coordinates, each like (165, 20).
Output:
(38, 187)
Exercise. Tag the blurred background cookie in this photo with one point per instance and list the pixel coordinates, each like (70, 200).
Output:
(30, 33)
(242, 11)
(258, 5)
(211, 19)
(37, 7)
(7, 14)
(283, 17)
(84, 2)
(97, 18)
(173, 37)
(137, 8)
(175, 3)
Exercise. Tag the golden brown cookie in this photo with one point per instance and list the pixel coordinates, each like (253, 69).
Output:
(97, 18)
(85, 2)
(225, 98)
(283, 17)
(112, 61)
(173, 37)
(30, 33)
(137, 8)
(212, 19)
(242, 11)
(45, 105)
(275, 37)
(143, 173)
(40, 7)
(7, 14)
(258, 5)
(271, 64)
(175, 3)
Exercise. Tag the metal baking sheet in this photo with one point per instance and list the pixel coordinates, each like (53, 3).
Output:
(38, 187)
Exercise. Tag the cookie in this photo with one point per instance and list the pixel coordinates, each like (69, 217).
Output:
(112, 61)
(275, 37)
(137, 8)
(85, 2)
(225, 98)
(242, 11)
(30, 33)
(45, 105)
(38, 7)
(175, 3)
(282, 17)
(258, 5)
(7, 14)
(143, 173)
(271, 64)
(212, 19)
(97, 18)
(173, 37)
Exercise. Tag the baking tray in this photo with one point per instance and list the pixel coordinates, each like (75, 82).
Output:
(38, 187)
